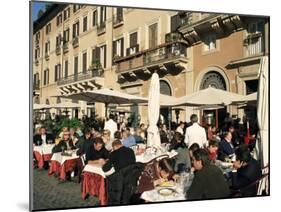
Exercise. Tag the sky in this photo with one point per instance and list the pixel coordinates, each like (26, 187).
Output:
(36, 6)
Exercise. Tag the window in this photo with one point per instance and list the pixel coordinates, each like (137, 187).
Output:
(66, 14)
(37, 53)
(75, 29)
(36, 78)
(57, 72)
(102, 14)
(37, 36)
(85, 23)
(118, 48)
(48, 28)
(175, 22)
(256, 27)
(133, 39)
(95, 54)
(76, 65)
(76, 7)
(59, 19)
(209, 42)
(103, 56)
(58, 40)
(84, 60)
(95, 16)
(65, 69)
(47, 48)
(46, 76)
(153, 35)
(66, 35)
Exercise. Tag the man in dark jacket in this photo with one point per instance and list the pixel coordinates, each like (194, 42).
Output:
(226, 149)
(208, 182)
(121, 157)
(97, 153)
(43, 137)
(247, 171)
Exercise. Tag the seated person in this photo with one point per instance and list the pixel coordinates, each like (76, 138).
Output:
(213, 150)
(182, 159)
(73, 136)
(246, 171)
(84, 141)
(42, 137)
(120, 157)
(154, 174)
(64, 129)
(97, 153)
(64, 144)
(138, 136)
(208, 181)
(226, 149)
(127, 139)
(106, 137)
(193, 148)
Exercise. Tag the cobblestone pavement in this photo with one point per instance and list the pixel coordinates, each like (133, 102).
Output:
(50, 194)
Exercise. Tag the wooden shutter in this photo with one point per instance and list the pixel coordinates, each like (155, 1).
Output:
(65, 69)
(73, 30)
(104, 56)
(85, 20)
(76, 65)
(133, 39)
(122, 47)
(56, 73)
(85, 62)
(114, 43)
(77, 28)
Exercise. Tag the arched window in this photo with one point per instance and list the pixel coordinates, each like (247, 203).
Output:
(47, 102)
(213, 79)
(165, 88)
(37, 100)
(58, 100)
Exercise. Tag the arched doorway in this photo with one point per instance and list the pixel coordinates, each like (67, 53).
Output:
(213, 117)
(165, 89)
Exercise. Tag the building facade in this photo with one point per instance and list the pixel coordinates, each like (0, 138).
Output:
(78, 47)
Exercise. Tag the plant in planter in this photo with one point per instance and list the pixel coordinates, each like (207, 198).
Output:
(95, 64)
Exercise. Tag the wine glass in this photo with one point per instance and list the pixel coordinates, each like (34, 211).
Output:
(38, 143)
(62, 148)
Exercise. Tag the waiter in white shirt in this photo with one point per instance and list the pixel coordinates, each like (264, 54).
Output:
(111, 126)
(195, 133)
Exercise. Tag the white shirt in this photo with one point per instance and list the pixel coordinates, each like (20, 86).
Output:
(43, 139)
(179, 129)
(111, 126)
(195, 134)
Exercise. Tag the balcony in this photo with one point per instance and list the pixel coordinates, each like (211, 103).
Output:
(58, 50)
(118, 20)
(75, 42)
(65, 47)
(47, 56)
(91, 73)
(101, 28)
(166, 58)
(254, 44)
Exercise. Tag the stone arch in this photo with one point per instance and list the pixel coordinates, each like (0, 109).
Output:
(165, 87)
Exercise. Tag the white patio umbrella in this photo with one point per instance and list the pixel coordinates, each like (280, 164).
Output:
(106, 96)
(262, 114)
(209, 96)
(262, 109)
(249, 99)
(153, 137)
(66, 105)
(41, 106)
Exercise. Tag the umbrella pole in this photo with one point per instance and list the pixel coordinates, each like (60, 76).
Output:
(106, 105)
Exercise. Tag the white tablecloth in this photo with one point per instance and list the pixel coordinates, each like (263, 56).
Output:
(44, 149)
(62, 158)
(144, 158)
(94, 169)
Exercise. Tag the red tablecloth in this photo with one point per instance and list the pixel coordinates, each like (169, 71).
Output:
(67, 166)
(94, 184)
(41, 158)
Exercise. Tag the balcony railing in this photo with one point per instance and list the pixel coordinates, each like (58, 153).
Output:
(75, 42)
(36, 85)
(132, 50)
(58, 50)
(254, 44)
(65, 47)
(101, 28)
(161, 54)
(117, 20)
(81, 76)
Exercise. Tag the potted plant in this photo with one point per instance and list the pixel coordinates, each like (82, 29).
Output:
(95, 64)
